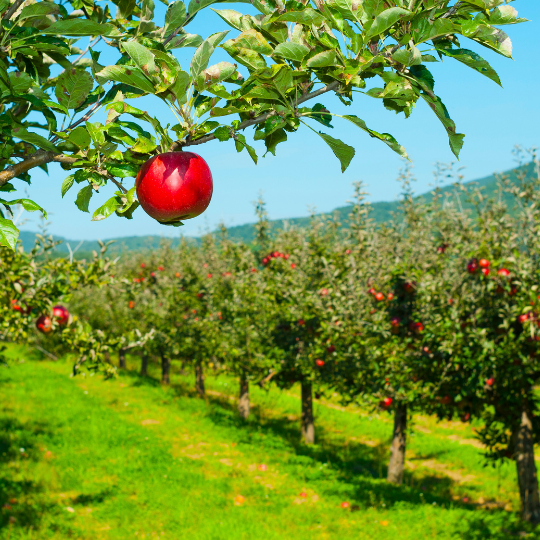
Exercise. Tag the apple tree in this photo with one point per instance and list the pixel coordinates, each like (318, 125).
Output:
(62, 101)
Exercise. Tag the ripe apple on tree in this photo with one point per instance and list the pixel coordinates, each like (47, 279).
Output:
(174, 186)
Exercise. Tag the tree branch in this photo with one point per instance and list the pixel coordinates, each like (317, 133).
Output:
(41, 156)
(35, 160)
(265, 116)
(9, 13)
(451, 11)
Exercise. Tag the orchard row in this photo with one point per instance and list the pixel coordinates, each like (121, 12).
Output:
(435, 312)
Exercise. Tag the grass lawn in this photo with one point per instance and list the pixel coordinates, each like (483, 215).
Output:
(85, 458)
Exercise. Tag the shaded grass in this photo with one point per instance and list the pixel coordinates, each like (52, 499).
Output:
(129, 459)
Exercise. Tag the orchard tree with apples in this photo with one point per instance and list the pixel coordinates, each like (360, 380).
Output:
(55, 80)
(492, 333)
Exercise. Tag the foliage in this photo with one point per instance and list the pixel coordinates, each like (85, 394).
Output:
(55, 76)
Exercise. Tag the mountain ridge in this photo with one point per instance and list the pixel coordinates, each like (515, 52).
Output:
(381, 211)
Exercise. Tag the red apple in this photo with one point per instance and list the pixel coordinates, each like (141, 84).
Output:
(303, 495)
(345, 504)
(131, 304)
(324, 292)
(348, 251)
(174, 186)
(262, 467)
(320, 363)
(395, 322)
(293, 265)
(143, 265)
(503, 272)
(472, 266)
(409, 287)
(301, 322)
(483, 263)
(485, 271)
(523, 318)
(387, 401)
(44, 324)
(490, 381)
(379, 297)
(390, 296)
(331, 349)
(16, 306)
(416, 327)
(61, 314)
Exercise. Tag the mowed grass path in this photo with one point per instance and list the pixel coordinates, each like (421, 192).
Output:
(127, 459)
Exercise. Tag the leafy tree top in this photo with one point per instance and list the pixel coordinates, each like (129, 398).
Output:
(282, 59)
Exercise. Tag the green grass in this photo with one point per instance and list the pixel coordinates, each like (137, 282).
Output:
(85, 458)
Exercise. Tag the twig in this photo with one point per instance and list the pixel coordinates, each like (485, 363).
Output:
(117, 183)
(268, 378)
(46, 353)
(80, 120)
(86, 50)
(265, 116)
(451, 11)
(9, 13)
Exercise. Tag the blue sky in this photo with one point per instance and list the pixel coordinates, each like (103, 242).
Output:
(305, 174)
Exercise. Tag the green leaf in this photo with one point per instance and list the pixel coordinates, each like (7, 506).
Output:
(386, 19)
(20, 82)
(342, 151)
(123, 170)
(83, 198)
(202, 55)
(473, 60)
(502, 15)
(80, 27)
(291, 51)
(184, 40)
(176, 16)
(323, 59)
(73, 87)
(196, 5)
(492, 38)
(142, 57)
(39, 10)
(80, 137)
(231, 17)
(240, 143)
(67, 183)
(274, 139)
(215, 74)
(27, 204)
(308, 16)
(438, 107)
(8, 233)
(251, 59)
(254, 41)
(127, 75)
(34, 138)
(107, 209)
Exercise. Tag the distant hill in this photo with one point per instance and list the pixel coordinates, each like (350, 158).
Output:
(382, 211)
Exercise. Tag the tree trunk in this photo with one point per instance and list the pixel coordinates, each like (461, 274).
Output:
(308, 425)
(144, 365)
(165, 369)
(399, 443)
(243, 400)
(199, 379)
(526, 469)
(122, 358)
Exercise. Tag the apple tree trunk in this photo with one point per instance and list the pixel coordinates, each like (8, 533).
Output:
(122, 358)
(144, 365)
(399, 443)
(526, 469)
(165, 369)
(243, 400)
(308, 424)
(199, 379)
